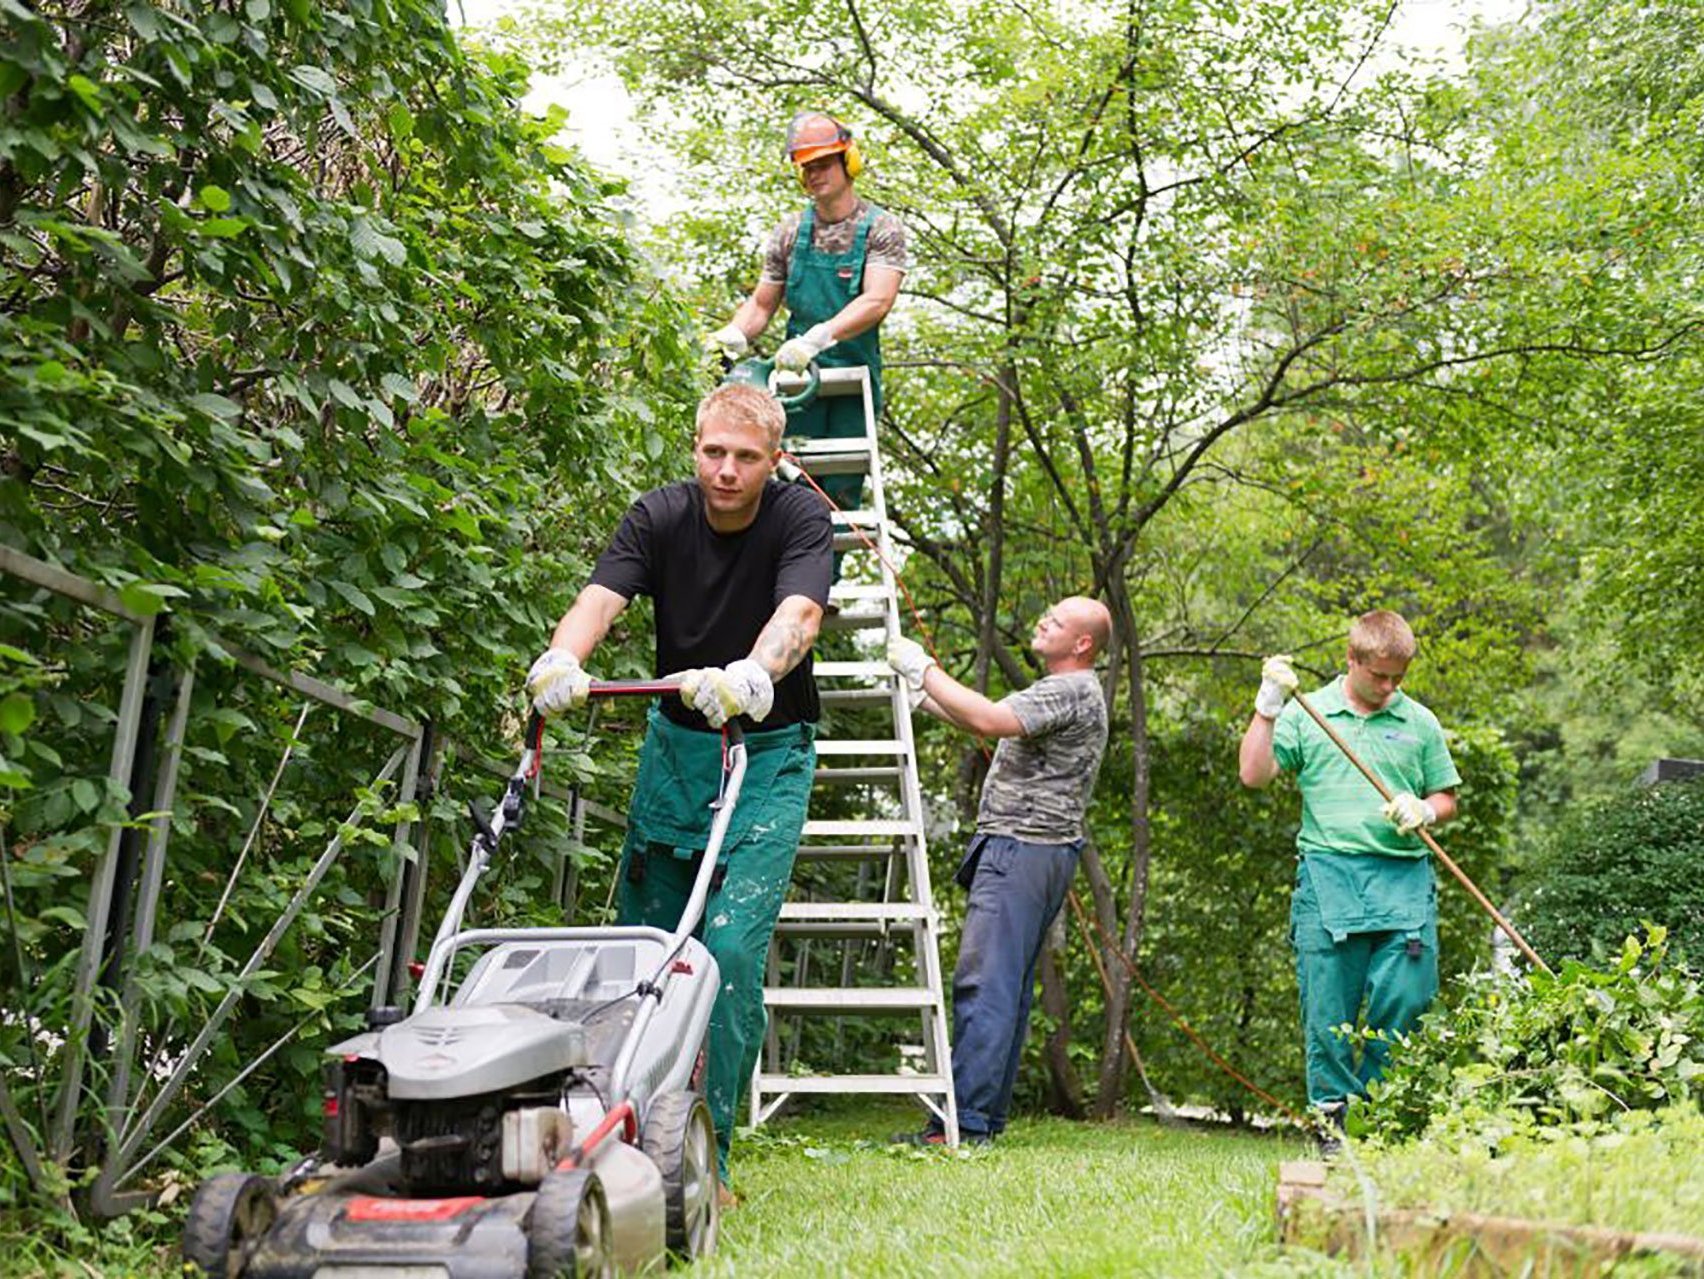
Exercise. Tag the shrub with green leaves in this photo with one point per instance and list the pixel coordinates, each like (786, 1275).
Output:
(312, 335)
(1615, 865)
(1577, 1046)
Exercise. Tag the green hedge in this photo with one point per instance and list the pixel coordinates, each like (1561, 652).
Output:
(1616, 865)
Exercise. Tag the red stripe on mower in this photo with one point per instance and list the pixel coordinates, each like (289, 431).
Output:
(379, 1208)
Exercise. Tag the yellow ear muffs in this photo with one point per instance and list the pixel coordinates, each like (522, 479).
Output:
(854, 157)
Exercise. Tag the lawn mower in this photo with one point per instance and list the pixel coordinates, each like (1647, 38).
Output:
(542, 1116)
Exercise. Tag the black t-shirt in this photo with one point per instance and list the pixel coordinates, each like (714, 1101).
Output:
(713, 591)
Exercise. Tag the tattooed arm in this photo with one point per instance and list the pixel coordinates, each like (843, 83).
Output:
(787, 636)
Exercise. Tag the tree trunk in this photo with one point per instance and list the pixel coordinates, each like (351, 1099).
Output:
(1064, 1087)
(1120, 957)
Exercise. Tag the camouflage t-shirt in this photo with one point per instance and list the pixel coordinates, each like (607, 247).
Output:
(885, 245)
(1039, 784)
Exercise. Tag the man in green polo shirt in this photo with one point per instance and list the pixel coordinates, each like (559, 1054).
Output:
(1364, 915)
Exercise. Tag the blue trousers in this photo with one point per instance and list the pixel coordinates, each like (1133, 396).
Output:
(1016, 888)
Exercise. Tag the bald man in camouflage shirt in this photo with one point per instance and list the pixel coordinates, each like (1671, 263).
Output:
(1029, 830)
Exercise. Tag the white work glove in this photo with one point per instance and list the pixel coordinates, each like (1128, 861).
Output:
(796, 353)
(556, 682)
(721, 692)
(730, 340)
(1409, 812)
(1277, 682)
(910, 660)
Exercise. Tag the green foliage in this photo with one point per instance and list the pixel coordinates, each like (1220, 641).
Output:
(310, 337)
(1615, 864)
(1548, 1050)
(1634, 1170)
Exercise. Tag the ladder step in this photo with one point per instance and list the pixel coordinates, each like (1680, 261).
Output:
(876, 826)
(842, 592)
(846, 380)
(860, 746)
(854, 530)
(852, 670)
(854, 696)
(846, 852)
(855, 912)
(844, 621)
(853, 1083)
(858, 776)
(861, 999)
(820, 464)
(808, 930)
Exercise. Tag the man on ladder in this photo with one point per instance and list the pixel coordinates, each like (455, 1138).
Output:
(837, 264)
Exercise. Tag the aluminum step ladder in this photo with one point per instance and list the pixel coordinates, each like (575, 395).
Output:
(861, 889)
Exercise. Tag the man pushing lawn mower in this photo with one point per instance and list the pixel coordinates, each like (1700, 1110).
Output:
(738, 567)
(1364, 915)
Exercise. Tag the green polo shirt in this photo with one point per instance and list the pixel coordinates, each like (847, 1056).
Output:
(1364, 876)
(1402, 743)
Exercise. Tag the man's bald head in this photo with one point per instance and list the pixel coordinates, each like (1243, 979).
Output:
(1087, 617)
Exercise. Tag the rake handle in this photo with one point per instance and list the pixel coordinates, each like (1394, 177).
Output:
(1509, 930)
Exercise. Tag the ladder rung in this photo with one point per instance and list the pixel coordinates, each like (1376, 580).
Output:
(858, 776)
(842, 380)
(852, 670)
(853, 1083)
(853, 696)
(853, 621)
(860, 999)
(841, 592)
(860, 746)
(855, 518)
(885, 827)
(846, 852)
(856, 912)
(810, 929)
(824, 464)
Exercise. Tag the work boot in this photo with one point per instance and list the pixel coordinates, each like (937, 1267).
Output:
(726, 1199)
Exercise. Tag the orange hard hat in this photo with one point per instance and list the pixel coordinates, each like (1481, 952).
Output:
(814, 134)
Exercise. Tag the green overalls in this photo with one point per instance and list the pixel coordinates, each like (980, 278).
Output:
(819, 287)
(680, 771)
(1364, 914)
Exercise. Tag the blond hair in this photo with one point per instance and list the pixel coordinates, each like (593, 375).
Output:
(741, 404)
(1382, 635)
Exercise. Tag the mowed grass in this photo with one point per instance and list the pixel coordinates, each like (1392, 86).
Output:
(825, 1195)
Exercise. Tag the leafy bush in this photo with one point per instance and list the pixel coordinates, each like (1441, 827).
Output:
(1638, 1170)
(1548, 1050)
(1615, 865)
(310, 333)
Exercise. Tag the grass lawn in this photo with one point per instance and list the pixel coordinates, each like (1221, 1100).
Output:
(824, 1194)
(820, 1197)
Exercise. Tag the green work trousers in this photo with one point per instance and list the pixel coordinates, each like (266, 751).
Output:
(1382, 981)
(679, 771)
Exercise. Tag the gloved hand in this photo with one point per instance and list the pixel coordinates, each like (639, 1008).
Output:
(721, 692)
(910, 659)
(729, 340)
(556, 682)
(1409, 812)
(796, 353)
(1277, 682)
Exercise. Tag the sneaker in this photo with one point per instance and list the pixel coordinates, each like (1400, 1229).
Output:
(1330, 1145)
